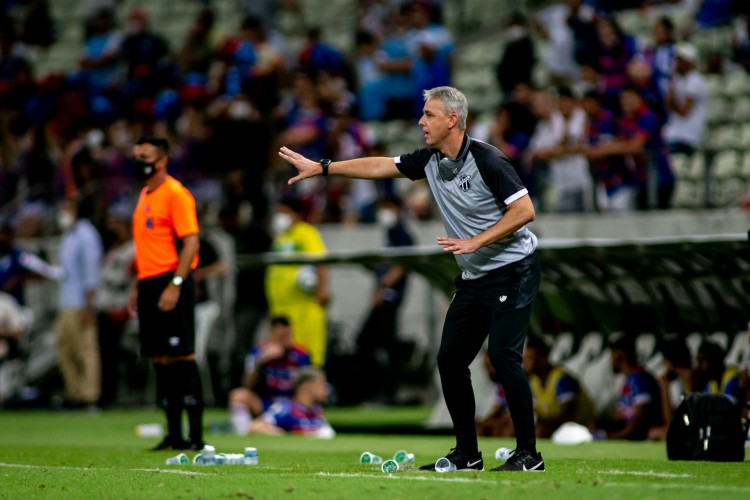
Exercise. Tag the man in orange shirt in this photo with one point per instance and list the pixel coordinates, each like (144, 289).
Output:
(165, 233)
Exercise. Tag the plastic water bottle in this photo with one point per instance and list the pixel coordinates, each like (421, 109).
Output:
(180, 459)
(250, 456)
(221, 459)
(445, 465)
(503, 453)
(209, 455)
(369, 458)
(401, 456)
(389, 466)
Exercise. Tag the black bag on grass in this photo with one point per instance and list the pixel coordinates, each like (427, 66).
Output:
(706, 427)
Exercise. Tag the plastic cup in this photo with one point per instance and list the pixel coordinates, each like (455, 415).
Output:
(180, 459)
(251, 456)
(445, 465)
(369, 458)
(389, 466)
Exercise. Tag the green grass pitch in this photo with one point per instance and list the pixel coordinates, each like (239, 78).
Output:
(79, 455)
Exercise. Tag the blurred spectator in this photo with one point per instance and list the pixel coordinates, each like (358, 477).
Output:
(541, 146)
(270, 369)
(687, 102)
(661, 56)
(518, 59)
(76, 329)
(712, 13)
(267, 73)
(508, 139)
(318, 55)
(144, 52)
(558, 396)
(647, 158)
(197, 54)
(554, 27)
(610, 56)
(378, 337)
(432, 66)
(101, 53)
(14, 321)
(303, 414)
(741, 41)
(614, 191)
(370, 93)
(641, 76)
(396, 61)
(569, 169)
(678, 368)
(18, 266)
(299, 292)
(38, 26)
(117, 278)
(712, 375)
(639, 407)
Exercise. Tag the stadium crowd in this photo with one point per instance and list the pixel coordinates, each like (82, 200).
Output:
(599, 135)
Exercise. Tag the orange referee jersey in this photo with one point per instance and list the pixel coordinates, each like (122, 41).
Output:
(160, 218)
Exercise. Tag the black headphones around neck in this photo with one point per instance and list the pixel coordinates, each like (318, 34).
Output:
(448, 168)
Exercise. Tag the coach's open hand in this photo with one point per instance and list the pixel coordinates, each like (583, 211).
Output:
(306, 167)
(457, 246)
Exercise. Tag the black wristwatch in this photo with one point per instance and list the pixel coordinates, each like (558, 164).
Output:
(324, 163)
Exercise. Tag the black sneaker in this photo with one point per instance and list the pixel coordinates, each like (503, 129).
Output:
(195, 445)
(523, 461)
(461, 461)
(169, 443)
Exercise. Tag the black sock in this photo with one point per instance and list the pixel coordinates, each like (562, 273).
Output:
(170, 399)
(192, 396)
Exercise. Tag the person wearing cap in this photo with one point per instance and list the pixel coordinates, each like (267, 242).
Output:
(686, 102)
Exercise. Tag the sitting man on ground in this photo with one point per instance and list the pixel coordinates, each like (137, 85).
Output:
(269, 375)
(678, 371)
(639, 408)
(558, 396)
(303, 414)
(713, 376)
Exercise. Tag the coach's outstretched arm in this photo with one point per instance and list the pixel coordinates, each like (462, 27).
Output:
(376, 167)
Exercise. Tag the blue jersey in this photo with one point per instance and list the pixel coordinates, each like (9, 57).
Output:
(640, 389)
(295, 418)
(277, 375)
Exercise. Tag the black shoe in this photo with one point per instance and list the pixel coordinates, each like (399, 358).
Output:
(172, 444)
(461, 461)
(523, 461)
(195, 445)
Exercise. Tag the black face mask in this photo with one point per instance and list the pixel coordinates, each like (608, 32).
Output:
(144, 170)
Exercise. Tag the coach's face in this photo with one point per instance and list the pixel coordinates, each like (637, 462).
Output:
(436, 124)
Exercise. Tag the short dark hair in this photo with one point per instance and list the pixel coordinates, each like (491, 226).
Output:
(632, 88)
(713, 352)
(626, 344)
(676, 351)
(565, 91)
(159, 143)
(539, 344)
(294, 204)
(593, 94)
(280, 321)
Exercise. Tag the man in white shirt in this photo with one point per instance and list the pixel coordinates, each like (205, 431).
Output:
(558, 139)
(687, 103)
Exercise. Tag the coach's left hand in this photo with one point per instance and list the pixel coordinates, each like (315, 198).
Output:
(169, 298)
(457, 246)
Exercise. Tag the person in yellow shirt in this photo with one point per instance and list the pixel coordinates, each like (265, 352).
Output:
(558, 396)
(299, 292)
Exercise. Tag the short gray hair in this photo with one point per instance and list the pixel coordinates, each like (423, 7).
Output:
(454, 101)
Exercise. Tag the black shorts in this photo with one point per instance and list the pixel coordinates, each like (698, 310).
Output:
(170, 333)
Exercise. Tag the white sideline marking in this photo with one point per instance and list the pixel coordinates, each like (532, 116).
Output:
(646, 473)
(84, 469)
(412, 478)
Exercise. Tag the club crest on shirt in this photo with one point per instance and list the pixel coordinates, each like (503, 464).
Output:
(149, 223)
(464, 182)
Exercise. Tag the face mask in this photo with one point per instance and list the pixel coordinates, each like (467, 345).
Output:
(144, 170)
(65, 220)
(386, 218)
(449, 169)
(280, 223)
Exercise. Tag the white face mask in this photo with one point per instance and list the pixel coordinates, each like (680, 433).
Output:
(65, 220)
(386, 218)
(280, 223)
